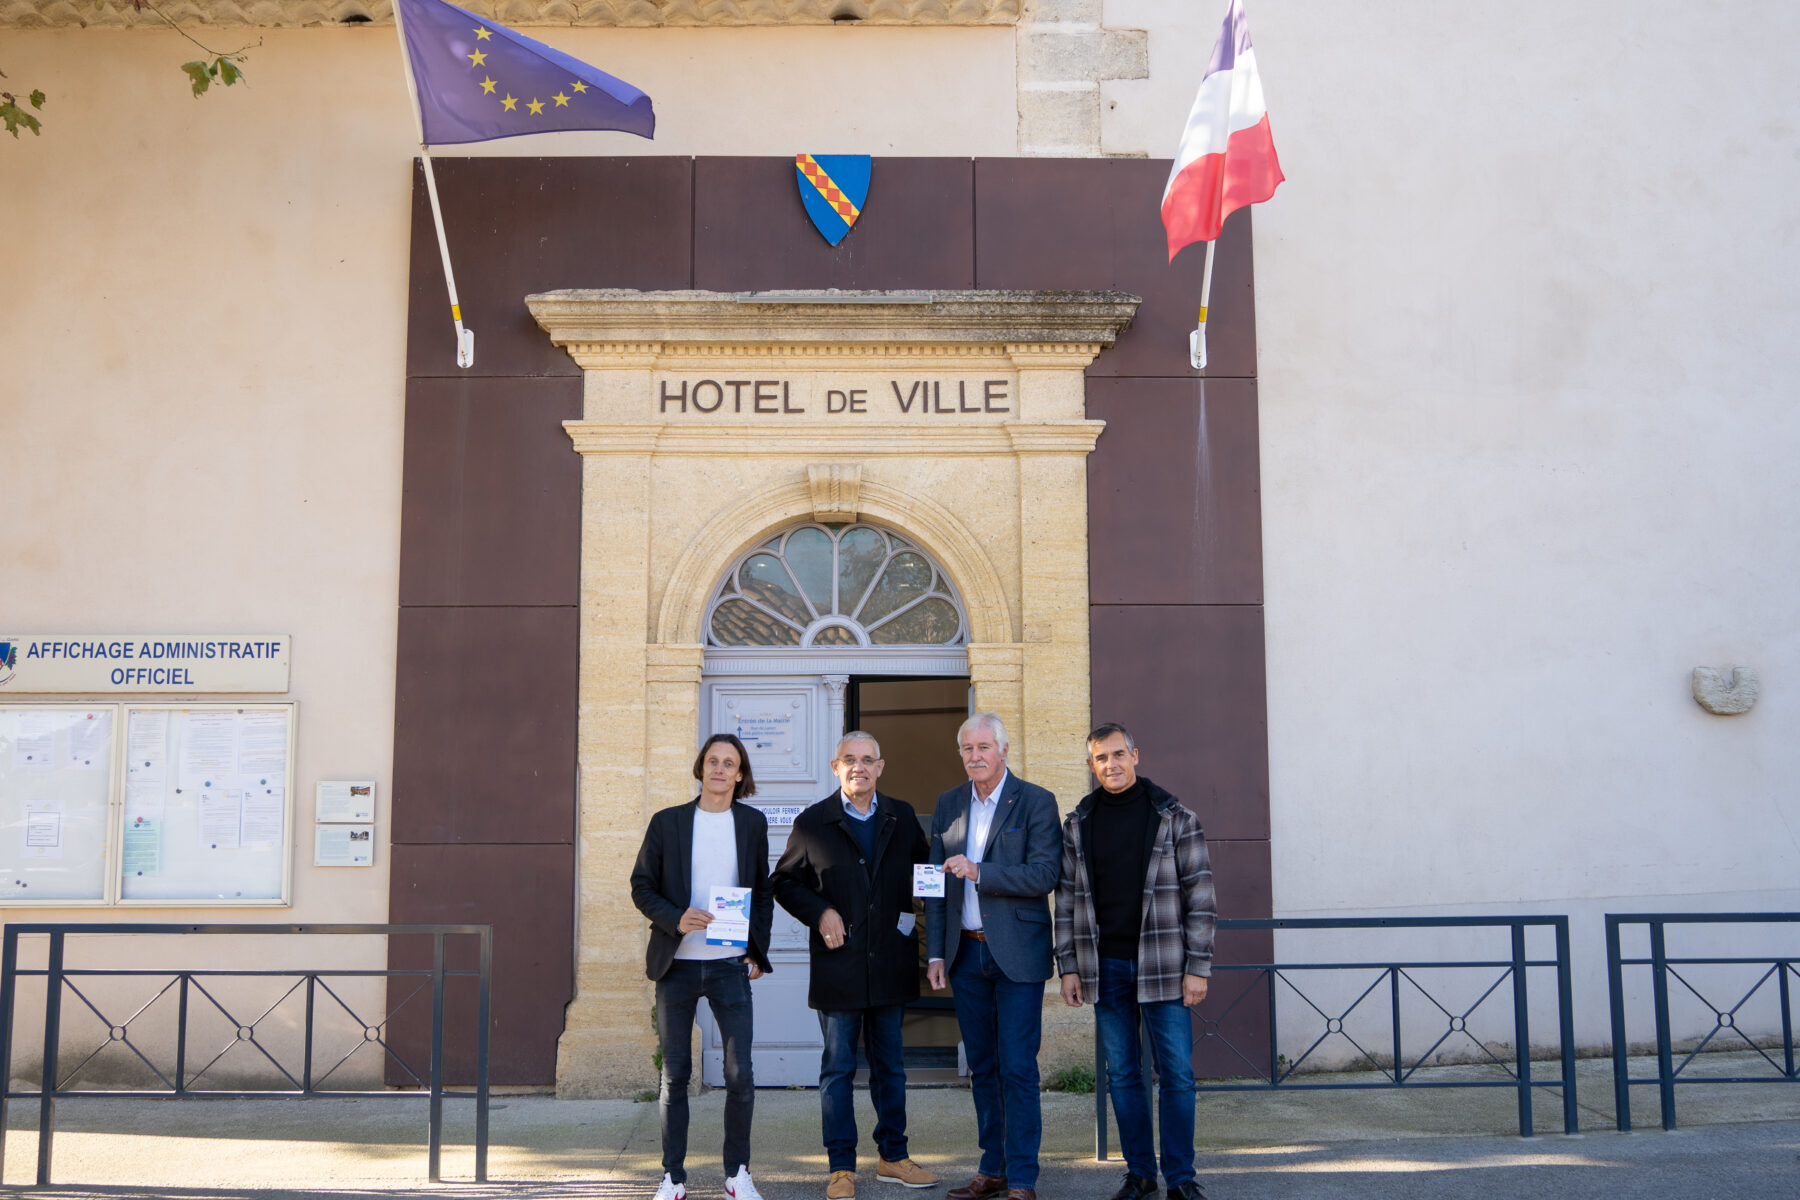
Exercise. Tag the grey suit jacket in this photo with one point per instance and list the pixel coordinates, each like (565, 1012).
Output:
(1019, 868)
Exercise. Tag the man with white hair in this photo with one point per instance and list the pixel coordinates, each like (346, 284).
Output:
(998, 840)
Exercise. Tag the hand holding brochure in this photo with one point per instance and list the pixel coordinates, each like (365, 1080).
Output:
(928, 881)
(730, 909)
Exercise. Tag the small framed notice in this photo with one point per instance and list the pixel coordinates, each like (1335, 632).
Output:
(344, 801)
(344, 846)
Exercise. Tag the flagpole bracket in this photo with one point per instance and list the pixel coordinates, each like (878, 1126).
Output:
(1197, 349)
(465, 347)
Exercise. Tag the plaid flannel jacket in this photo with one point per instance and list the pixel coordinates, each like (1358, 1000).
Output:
(1179, 913)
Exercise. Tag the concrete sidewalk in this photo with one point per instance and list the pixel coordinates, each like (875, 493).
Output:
(1736, 1142)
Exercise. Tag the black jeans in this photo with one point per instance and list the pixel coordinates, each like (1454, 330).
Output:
(725, 982)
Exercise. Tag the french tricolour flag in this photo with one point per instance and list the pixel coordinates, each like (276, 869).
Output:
(1227, 158)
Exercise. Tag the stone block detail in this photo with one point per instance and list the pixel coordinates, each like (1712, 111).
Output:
(1064, 54)
(1726, 692)
(835, 488)
(617, 13)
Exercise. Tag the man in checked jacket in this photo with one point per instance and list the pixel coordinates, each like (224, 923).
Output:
(1134, 934)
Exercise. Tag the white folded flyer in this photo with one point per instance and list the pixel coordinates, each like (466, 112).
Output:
(730, 909)
(928, 881)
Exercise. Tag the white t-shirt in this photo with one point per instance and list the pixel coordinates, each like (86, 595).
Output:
(714, 864)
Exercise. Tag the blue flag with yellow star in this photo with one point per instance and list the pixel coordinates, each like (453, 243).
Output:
(477, 80)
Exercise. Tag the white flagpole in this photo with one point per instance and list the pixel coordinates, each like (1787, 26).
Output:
(1197, 339)
(465, 338)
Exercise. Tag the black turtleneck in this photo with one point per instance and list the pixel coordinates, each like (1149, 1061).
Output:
(1121, 825)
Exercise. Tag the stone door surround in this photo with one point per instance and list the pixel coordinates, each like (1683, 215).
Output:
(711, 421)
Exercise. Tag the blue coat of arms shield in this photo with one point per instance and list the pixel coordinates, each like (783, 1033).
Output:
(833, 188)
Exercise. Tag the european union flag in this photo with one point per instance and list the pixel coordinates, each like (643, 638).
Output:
(477, 81)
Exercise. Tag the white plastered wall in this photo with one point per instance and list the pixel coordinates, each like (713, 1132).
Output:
(202, 349)
(1525, 309)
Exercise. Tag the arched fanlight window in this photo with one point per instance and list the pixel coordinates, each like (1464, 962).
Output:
(845, 585)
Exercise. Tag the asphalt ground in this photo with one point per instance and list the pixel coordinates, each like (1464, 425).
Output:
(1735, 1142)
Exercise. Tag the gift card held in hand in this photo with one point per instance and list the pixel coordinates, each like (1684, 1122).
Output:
(928, 881)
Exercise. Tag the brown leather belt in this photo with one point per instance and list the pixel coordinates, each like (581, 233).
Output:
(976, 934)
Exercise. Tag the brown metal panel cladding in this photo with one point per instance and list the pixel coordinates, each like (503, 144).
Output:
(484, 726)
(1236, 1008)
(1175, 492)
(523, 225)
(751, 232)
(1095, 223)
(490, 508)
(1188, 681)
(526, 893)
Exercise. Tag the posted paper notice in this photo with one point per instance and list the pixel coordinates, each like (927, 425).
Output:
(730, 909)
(90, 741)
(43, 829)
(928, 881)
(344, 846)
(344, 800)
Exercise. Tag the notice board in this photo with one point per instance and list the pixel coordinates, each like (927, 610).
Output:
(207, 804)
(56, 784)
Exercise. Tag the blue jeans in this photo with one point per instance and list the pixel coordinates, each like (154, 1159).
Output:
(880, 1030)
(1116, 1015)
(1001, 1023)
(725, 982)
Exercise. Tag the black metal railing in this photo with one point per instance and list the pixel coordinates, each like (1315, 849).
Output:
(1779, 969)
(194, 993)
(1270, 1070)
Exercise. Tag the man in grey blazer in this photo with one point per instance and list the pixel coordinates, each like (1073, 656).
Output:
(1000, 844)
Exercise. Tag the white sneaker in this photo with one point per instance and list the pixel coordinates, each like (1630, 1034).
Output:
(670, 1190)
(741, 1186)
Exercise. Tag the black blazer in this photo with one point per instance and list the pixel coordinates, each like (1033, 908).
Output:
(661, 889)
(823, 868)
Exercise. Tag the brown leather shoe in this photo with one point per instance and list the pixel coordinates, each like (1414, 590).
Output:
(841, 1186)
(1021, 1194)
(982, 1187)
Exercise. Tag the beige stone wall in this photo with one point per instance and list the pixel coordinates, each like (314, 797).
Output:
(995, 491)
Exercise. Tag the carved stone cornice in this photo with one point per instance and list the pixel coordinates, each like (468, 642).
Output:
(26, 14)
(1074, 323)
(739, 441)
(1054, 437)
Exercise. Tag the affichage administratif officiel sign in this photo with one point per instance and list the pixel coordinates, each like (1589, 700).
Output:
(144, 662)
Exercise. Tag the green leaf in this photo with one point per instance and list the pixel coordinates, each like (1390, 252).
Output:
(201, 74)
(37, 99)
(15, 117)
(229, 72)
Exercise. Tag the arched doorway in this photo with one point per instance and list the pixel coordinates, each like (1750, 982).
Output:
(819, 629)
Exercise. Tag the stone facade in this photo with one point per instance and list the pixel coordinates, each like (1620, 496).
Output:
(687, 463)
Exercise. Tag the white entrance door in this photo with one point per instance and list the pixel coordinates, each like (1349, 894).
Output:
(790, 725)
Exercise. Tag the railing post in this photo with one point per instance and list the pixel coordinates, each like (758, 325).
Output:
(1274, 1053)
(1787, 1021)
(484, 1007)
(52, 1037)
(1565, 1017)
(1659, 986)
(1394, 995)
(435, 1152)
(1615, 990)
(306, 1061)
(1521, 1028)
(9, 967)
(1099, 1101)
(181, 1035)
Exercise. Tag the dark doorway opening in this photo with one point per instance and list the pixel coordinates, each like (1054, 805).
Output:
(915, 719)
